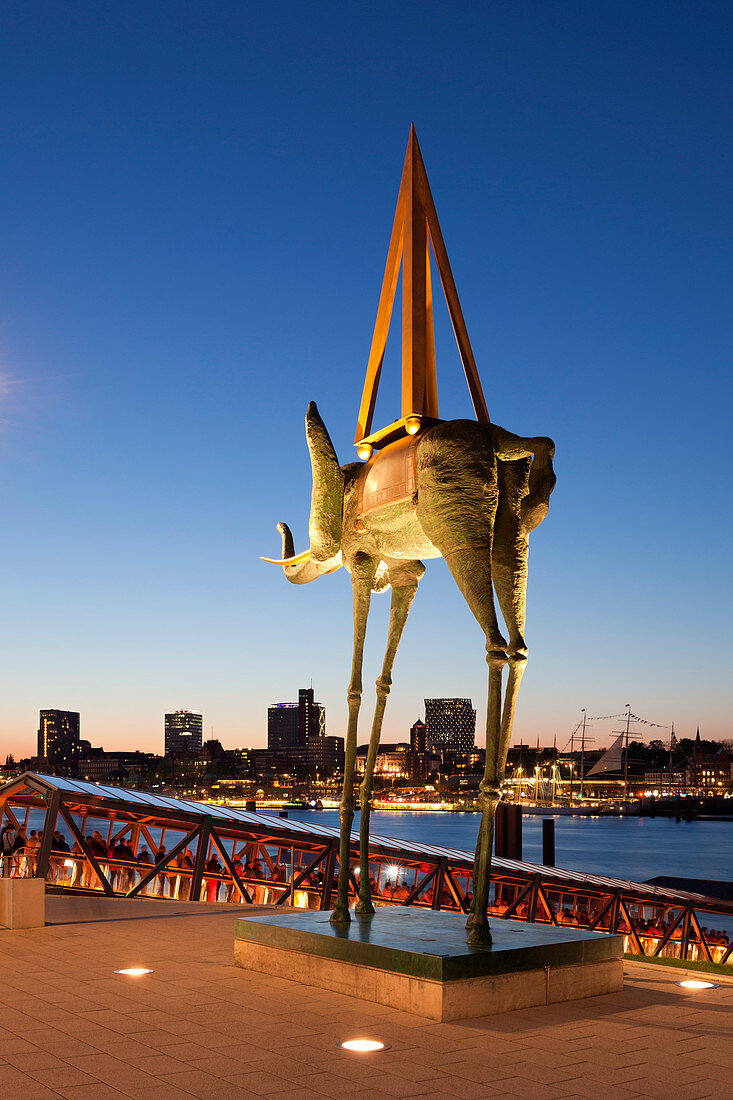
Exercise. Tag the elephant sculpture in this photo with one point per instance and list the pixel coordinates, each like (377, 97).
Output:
(465, 491)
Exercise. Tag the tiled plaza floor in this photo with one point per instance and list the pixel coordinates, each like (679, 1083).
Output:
(200, 1027)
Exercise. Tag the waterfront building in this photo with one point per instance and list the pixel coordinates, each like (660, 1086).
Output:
(59, 744)
(96, 764)
(393, 761)
(183, 732)
(662, 779)
(326, 755)
(450, 725)
(709, 770)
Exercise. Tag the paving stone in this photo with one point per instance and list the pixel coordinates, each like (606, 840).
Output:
(200, 1027)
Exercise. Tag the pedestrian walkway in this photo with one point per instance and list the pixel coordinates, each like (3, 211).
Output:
(200, 1027)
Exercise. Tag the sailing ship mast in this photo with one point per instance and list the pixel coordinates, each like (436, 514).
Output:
(626, 754)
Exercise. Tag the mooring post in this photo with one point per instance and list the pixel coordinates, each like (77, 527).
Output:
(500, 830)
(548, 841)
(514, 832)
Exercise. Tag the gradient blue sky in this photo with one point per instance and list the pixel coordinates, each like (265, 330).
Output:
(196, 204)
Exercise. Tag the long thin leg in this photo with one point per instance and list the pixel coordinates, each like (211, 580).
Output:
(488, 800)
(404, 578)
(509, 575)
(363, 571)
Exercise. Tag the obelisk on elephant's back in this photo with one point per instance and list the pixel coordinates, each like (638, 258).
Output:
(465, 490)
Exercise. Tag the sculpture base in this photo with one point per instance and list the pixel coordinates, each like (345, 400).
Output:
(419, 961)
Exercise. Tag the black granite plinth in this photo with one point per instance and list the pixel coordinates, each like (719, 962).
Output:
(429, 945)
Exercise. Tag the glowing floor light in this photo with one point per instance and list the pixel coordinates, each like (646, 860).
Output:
(134, 971)
(363, 1046)
(695, 983)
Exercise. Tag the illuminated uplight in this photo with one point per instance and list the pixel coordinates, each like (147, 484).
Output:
(364, 451)
(363, 1046)
(412, 425)
(134, 971)
(695, 983)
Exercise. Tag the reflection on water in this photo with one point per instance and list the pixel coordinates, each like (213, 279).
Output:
(636, 848)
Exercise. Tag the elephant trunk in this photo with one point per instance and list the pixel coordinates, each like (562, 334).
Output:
(301, 568)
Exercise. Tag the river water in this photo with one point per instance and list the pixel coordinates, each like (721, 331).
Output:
(635, 848)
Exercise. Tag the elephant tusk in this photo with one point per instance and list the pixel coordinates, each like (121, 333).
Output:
(297, 560)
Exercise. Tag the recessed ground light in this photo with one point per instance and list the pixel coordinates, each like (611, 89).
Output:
(694, 983)
(134, 971)
(363, 1046)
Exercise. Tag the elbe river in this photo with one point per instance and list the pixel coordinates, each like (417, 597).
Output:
(636, 848)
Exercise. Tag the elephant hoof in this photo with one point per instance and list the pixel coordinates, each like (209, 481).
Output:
(340, 915)
(479, 935)
(364, 908)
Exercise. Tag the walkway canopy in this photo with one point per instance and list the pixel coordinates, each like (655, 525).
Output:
(92, 838)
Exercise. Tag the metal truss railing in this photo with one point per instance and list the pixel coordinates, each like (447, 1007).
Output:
(267, 862)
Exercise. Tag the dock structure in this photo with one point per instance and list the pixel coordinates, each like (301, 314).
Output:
(99, 840)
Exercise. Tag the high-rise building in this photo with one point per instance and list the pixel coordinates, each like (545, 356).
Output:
(450, 725)
(293, 725)
(282, 726)
(418, 751)
(58, 741)
(296, 734)
(418, 738)
(183, 732)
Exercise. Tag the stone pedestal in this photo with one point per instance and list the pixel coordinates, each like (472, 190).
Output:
(22, 903)
(419, 961)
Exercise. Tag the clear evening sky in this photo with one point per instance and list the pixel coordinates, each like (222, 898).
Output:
(196, 205)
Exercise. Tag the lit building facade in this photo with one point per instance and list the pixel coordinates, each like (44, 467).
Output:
(450, 725)
(98, 764)
(183, 732)
(59, 745)
(294, 725)
(419, 750)
(419, 737)
(393, 761)
(296, 738)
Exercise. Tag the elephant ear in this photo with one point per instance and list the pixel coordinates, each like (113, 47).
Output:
(327, 497)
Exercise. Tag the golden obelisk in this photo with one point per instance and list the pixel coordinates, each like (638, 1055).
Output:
(415, 228)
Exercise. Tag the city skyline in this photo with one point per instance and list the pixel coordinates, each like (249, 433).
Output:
(598, 736)
(195, 224)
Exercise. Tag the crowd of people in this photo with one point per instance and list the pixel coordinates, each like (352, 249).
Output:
(125, 870)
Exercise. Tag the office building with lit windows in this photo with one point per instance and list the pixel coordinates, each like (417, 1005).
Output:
(59, 745)
(296, 737)
(183, 732)
(450, 725)
(293, 725)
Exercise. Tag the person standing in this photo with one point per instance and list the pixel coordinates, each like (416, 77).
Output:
(19, 846)
(7, 840)
(160, 857)
(34, 843)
